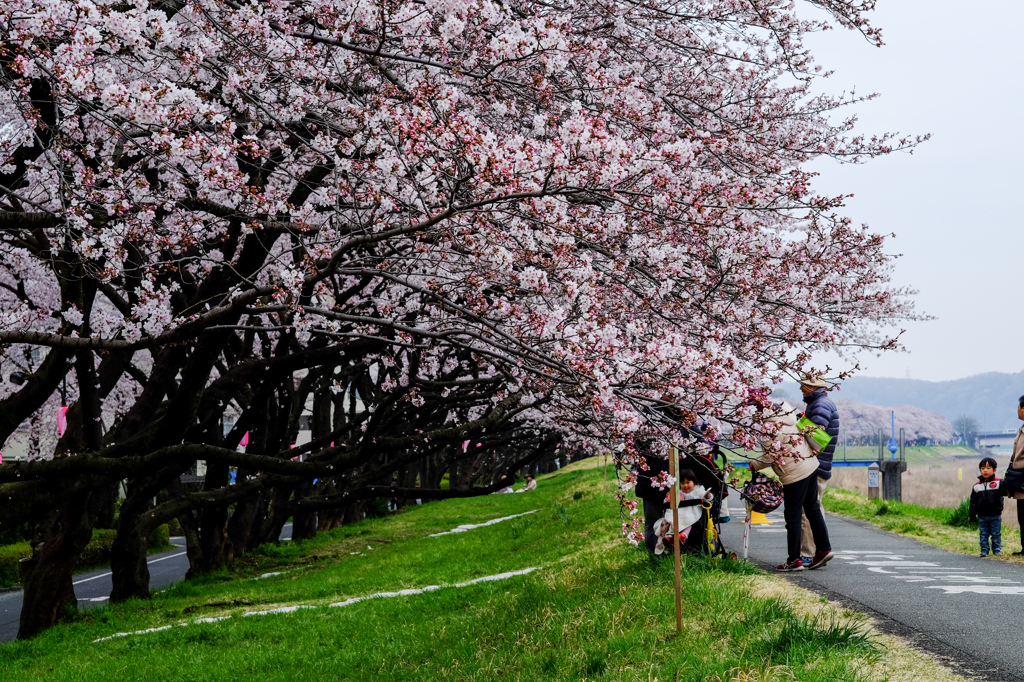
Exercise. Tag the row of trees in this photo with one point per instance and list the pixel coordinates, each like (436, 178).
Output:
(513, 223)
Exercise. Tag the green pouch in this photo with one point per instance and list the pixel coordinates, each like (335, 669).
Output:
(817, 438)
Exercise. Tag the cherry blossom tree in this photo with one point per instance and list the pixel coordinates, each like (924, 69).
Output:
(514, 222)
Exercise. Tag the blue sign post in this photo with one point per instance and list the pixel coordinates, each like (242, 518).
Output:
(893, 445)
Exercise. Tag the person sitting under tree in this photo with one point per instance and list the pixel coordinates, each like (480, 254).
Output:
(531, 484)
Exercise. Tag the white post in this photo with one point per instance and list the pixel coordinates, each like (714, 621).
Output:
(746, 533)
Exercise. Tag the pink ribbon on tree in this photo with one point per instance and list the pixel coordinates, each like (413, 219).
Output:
(62, 420)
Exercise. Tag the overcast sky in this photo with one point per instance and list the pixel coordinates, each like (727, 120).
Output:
(955, 204)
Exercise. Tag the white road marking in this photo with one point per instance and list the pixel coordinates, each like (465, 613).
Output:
(978, 589)
(470, 526)
(96, 578)
(918, 571)
(296, 607)
(902, 567)
(893, 564)
(167, 557)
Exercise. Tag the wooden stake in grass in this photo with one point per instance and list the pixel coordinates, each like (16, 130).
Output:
(673, 468)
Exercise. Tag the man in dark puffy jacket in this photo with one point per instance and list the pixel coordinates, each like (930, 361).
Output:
(823, 412)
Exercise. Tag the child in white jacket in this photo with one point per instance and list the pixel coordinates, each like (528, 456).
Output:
(689, 512)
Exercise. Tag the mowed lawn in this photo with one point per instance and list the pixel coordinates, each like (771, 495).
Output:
(597, 609)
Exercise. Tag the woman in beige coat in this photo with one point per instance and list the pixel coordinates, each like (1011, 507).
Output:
(797, 474)
(1017, 462)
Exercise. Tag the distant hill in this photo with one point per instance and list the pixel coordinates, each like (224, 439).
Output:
(990, 398)
(861, 419)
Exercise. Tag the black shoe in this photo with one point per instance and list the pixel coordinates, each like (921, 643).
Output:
(1020, 553)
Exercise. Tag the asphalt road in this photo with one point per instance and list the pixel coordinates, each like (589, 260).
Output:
(93, 588)
(964, 609)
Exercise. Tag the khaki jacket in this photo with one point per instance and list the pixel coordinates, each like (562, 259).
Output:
(789, 469)
(1017, 460)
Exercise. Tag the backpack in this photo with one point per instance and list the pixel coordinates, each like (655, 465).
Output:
(1013, 481)
(763, 494)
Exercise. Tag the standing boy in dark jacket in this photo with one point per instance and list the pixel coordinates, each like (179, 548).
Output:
(987, 506)
(823, 412)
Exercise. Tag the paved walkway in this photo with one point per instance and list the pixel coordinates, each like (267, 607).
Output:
(964, 609)
(93, 588)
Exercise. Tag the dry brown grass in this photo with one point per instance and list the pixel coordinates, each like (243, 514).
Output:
(931, 484)
(900, 660)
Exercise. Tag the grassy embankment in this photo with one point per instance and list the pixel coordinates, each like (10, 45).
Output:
(935, 488)
(597, 609)
(915, 455)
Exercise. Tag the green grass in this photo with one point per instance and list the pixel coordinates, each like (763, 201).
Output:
(857, 506)
(945, 527)
(915, 455)
(597, 610)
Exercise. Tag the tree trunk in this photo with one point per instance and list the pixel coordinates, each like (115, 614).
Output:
(304, 525)
(48, 593)
(108, 502)
(329, 519)
(241, 525)
(130, 574)
(259, 519)
(213, 523)
(130, 571)
(353, 514)
(193, 546)
(128, 554)
(277, 515)
(213, 539)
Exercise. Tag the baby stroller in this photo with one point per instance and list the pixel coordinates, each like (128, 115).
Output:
(704, 537)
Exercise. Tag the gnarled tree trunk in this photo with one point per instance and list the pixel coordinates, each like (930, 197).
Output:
(304, 525)
(241, 525)
(49, 593)
(130, 573)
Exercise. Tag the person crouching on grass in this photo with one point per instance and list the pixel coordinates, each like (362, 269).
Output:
(987, 507)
